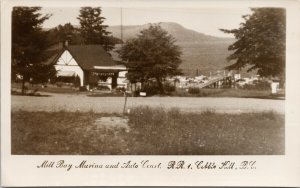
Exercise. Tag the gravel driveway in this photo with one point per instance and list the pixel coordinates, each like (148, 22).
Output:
(71, 102)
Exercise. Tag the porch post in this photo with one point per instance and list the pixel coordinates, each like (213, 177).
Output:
(86, 78)
(114, 80)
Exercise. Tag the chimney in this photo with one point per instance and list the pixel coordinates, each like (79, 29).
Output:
(66, 43)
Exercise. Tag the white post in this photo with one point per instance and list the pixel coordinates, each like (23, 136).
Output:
(274, 87)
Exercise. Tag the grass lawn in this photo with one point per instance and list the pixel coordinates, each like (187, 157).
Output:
(50, 88)
(229, 92)
(204, 92)
(148, 132)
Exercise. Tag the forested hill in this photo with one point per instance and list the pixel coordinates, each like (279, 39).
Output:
(177, 31)
(203, 52)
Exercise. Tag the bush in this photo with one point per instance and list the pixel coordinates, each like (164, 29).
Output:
(93, 80)
(103, 87)
(150, 89)
(168, 87)
(59, 84)
(53, 79)
(120, 89)
(34, 92)
(194, 90)
(76, 81)
(259, 85)
(82, 88)
(136, 92)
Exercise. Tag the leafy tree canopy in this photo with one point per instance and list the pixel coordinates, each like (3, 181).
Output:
(92, 29)
(152, 54)
(29, 43)
(63, 33)
(260, 42)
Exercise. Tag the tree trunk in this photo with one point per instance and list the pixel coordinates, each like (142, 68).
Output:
(160, 85)
(23, 86)
(175, 88)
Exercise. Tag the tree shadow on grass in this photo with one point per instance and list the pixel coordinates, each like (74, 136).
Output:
(30, 94)
(273, 97)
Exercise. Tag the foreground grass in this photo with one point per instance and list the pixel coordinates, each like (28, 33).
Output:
(151, 132)
(62, 133)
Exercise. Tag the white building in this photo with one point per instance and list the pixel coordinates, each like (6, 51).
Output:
(89, 62)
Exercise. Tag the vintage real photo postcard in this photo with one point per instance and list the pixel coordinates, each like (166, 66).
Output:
(202, 93)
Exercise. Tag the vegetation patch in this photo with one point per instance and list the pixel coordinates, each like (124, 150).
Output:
(160, 131)
(147, 131)
(223, 92)
(64, 133)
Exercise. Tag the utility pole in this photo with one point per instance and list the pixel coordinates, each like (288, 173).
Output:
(125, 93)
(122, 24)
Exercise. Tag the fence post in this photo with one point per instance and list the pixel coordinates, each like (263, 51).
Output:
(124, 108)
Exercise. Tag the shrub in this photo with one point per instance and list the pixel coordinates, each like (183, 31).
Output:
(53, 79)
(209, 111)
(150, 89)
(82, 88)
(59, 84)
(93, 80)
(194, 90)
(168, 87)
(120, 89)
(258, 85)
(136, 92)
(77, 81)
(103, 87)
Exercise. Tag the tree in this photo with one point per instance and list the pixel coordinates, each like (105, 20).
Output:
(92, 29)
(63, 33)
(66, 32)
(29, 44)
(152, 54)
(260, 42)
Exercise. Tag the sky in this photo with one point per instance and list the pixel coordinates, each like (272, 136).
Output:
(207, 21)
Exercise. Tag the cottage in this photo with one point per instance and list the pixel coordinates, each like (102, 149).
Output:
(92, 64)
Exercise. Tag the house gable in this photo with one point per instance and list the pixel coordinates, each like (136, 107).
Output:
(66, 59)
(81, 60)
(66, 66)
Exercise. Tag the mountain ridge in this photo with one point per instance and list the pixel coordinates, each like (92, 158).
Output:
(201, 53)
(180, 33)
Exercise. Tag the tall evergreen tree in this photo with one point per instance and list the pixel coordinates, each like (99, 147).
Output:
(29, 43)
(260, 42)
(92, 28)
(152, 54)
(63, 33)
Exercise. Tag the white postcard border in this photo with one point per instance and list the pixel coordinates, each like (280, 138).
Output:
(281, 170)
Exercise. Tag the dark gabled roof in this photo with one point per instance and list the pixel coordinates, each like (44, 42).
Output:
(88, 56)
(55, 52)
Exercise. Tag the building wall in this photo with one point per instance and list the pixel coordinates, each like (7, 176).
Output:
(66, 63)
(121, 79)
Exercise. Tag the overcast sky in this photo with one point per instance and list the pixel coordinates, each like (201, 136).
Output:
(207, 21)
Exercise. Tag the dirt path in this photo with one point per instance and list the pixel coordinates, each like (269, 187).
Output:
(70, 102)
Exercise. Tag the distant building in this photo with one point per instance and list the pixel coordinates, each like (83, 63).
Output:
(92, 64)
(237, 76)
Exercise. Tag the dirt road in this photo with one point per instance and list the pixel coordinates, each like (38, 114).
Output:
(71, 102)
